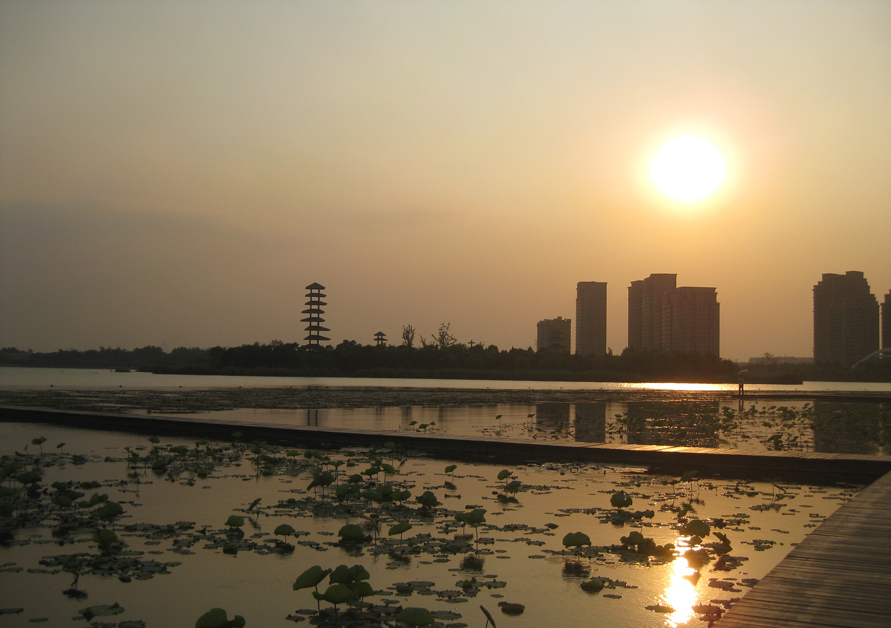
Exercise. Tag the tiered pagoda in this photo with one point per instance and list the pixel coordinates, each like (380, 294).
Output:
(314, 319)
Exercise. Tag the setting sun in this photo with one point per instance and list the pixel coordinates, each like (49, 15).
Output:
(687, 168)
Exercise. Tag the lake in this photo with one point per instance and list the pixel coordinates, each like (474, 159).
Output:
(175, 554)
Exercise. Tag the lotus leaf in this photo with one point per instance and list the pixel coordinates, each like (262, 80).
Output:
(311, 577)
(576, 539)
(110, 510)
(697, 527)
(218, 618)
(513, 487)
(504, 474)
(428, 500)
(592, 586)
(337, 594)
(620, 499)
(352, 532)
(102, 610)
(400, 528)
(284, 530)
(104, 537)
(474, 517)
(415, 616)
(511, 608)
(489, 618)
(234, 521)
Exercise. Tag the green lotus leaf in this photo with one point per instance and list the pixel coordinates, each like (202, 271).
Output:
(697, 527)
(234, 521)
(104, 537)
(416, 616)
(341, 575)
(284, 530)
(576, 539)
(217, 618)
(110, 510)
(400, 528)
(504, 474)
(362, 588)
(352, 532)
(428, 500)
(620, 499)
(474, 517)
(102, 610)
(339, 594)
(311, 577)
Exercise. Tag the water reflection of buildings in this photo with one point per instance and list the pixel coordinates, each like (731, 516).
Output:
(852, 428)
(590, 422)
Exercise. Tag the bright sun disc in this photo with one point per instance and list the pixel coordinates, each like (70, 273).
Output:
(687, 168)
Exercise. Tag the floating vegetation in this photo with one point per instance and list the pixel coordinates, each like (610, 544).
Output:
(377, 510)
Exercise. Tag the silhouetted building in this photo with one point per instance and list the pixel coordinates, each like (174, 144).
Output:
(590, 318)
(314, 308)
(554, 334)
(886, 322)
(646, 300)
(846, 319)
(380, 339)
(663, 317)
(693, 324)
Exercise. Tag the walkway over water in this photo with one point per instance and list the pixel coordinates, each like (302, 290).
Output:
(765, 465)
(838, 577)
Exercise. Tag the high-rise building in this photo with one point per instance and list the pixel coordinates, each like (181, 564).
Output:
(694, 318)
(554, 334)
(646, 300)
(886, 322)
(663, 317)
(846, 319)
(590, 318)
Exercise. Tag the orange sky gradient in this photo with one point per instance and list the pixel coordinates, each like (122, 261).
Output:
(174, 173)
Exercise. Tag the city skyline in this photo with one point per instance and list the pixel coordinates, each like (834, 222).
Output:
(172, 174)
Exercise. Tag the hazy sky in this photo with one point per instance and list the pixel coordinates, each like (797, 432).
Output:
(174, 173)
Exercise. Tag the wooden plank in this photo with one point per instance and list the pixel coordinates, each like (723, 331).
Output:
(838, 577)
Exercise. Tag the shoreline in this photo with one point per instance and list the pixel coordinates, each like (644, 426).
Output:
(323, 397)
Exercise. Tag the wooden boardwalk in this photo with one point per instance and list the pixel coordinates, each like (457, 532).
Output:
(810, 467)
(838, 577)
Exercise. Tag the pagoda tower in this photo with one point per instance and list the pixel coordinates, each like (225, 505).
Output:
(380, 339)
(315, 311)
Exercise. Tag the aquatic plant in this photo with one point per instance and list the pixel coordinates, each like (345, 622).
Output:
(400, 529)
(428, 500)
(576, 540)
(218, 618)
(489, 618)
(416, 616)
(311, 578)
(352, 534)
(620, 499)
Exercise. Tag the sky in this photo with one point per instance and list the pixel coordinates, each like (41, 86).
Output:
(175, 173)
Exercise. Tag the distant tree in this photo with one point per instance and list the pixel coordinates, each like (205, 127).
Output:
(443, 337)
(408, 336)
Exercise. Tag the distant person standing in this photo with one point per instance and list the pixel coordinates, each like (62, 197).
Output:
(742, 386)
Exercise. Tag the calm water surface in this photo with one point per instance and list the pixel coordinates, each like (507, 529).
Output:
(28, 378)
(517, 550)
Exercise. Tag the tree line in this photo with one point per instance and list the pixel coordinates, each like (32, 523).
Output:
(441, 356)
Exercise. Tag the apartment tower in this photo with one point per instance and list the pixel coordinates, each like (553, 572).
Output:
(886, 322)
(664, 317)
(554, 334)
(846, 319)
(590, 318)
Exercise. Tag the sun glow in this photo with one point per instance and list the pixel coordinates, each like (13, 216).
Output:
(687, 168)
